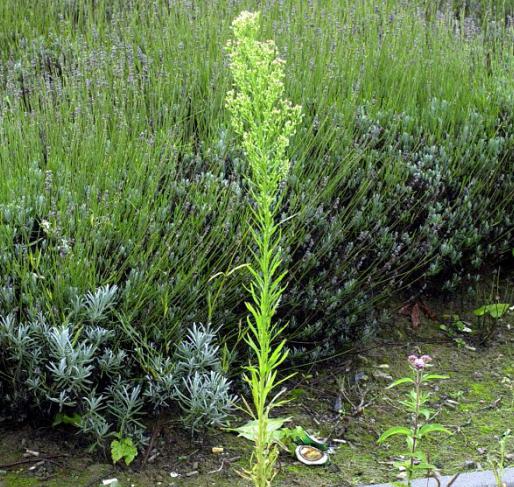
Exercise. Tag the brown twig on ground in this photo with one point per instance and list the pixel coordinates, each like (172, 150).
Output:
(452, 481)
(493, 405)
(155, 433)
(32, 460)
(438, 480)
(361, 393)
(218, 469)
(225, 461)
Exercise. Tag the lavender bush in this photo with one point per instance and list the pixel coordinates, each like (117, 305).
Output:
(80, 374)
(118, 168)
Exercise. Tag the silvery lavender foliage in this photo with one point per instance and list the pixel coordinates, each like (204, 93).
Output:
(97, 304)
(79, 369)
(192, 378)
(126, 406)
(161, 385)
(203, 392)
(72, 368)
(43, 365)
(198, 352)
(94, 421)
(205, 400)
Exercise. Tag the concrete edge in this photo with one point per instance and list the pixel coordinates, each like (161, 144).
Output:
(470, 479)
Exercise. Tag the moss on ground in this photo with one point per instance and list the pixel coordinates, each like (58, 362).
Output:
(476, 404)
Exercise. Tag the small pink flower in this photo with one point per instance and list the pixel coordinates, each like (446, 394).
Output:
(419, 362)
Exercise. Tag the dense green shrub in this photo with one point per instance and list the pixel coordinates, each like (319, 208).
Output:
(433, 217)
(118, 166)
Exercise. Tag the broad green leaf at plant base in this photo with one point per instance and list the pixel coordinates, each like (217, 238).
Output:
(123, 449)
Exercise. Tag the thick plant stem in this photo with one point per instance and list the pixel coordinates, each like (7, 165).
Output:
(265, 310)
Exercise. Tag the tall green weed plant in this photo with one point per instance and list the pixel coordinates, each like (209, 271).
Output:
(264, 121)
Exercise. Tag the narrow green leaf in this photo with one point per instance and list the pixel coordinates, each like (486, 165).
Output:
(432, 428)
(394, 431)
(428, 377)
(73, 420)
(423, 466)
(404, 380)
(425, 412)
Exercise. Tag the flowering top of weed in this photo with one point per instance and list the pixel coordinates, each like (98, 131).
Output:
(261, 115)
(246, 24)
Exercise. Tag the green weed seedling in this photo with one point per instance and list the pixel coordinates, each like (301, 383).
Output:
(123, 449)
(416, 405)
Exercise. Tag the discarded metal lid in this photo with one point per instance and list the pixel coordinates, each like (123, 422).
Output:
(310, 455)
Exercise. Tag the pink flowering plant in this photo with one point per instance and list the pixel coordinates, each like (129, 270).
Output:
(421, 415)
